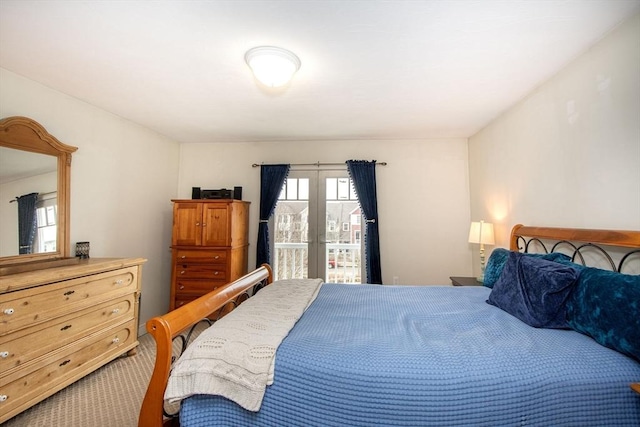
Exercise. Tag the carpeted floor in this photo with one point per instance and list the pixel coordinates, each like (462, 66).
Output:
(110, 396)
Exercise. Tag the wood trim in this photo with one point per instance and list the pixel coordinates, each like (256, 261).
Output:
(23, 133)
(165, 328)
(623, 238)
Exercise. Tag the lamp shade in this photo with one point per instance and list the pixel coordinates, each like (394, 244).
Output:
(481, 232)
(272, 66)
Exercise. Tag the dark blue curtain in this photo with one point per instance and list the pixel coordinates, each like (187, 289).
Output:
(363, 175)
(27, 222)
(271, 181)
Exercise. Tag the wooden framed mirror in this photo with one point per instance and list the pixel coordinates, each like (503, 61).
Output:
(30, 160)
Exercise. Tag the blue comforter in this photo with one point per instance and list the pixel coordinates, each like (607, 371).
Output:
(365, 355)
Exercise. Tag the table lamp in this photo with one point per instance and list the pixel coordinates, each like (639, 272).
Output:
(481, 232)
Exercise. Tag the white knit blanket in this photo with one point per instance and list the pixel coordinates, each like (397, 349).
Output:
(235, 357)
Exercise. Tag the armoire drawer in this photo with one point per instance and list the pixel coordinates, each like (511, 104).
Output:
(60, 368)
(18, 348)
(185, 299)
(201, 271)
(207, 256)
(36, 305)
(198, 287)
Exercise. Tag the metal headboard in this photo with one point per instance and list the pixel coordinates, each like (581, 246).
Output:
(577, 241)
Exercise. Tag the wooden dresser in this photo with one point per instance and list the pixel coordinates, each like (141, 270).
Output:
(61, 323)
(210, 246)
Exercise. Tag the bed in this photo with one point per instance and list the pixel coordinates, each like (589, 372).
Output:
(361, 355)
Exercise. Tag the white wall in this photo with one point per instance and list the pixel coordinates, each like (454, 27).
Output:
(122, 178)
(423, 195)
(568, 154)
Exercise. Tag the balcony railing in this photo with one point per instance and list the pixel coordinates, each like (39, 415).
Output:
(343, 262)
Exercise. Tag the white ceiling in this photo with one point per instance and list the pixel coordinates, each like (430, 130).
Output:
(370, 69)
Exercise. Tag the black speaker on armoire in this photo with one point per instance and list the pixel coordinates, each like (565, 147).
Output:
(237, 193)
(195, 193)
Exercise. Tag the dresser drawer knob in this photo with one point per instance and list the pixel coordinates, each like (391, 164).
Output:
(216, 257)
(115, 311)
(4, 354)
(66, 294)
(116, 340)
(3, 397)
(182, 272)
(181, 287)
(64, 328)
(8, 311)
(215, 273)
(118, 282)
(183, 256)
(65, 362)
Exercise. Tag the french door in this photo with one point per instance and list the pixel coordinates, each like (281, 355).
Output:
(316, 229)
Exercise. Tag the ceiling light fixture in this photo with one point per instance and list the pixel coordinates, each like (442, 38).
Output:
(272, 66)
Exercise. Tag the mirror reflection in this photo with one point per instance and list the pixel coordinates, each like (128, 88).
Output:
(28, 202)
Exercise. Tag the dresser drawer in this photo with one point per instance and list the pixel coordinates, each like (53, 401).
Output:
(41, 304)
(18, 348)
(201, 271)
(63, 367)
(204, 256)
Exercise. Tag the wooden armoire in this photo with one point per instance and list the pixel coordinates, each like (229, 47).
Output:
(210, 245)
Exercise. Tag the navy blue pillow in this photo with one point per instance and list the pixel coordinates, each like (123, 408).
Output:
(499, 256)
(606, 306)
(534, 290)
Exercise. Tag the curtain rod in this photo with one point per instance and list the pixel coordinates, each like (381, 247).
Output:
(317, 164)
(39, 195)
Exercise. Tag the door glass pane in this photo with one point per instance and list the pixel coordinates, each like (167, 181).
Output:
(290, 231)
(332, 188)
(316, 229)
(342, 232)
(343, 188)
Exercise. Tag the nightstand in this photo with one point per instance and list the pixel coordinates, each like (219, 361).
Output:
(465, 281)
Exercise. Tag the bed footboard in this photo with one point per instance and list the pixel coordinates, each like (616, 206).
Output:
(165, 328)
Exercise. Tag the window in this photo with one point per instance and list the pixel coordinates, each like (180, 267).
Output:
(46, 220)
(321, 238)
(340, 189)
(295, 189)
(284, 222)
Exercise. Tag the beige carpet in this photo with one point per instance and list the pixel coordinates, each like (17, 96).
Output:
(110, 396)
